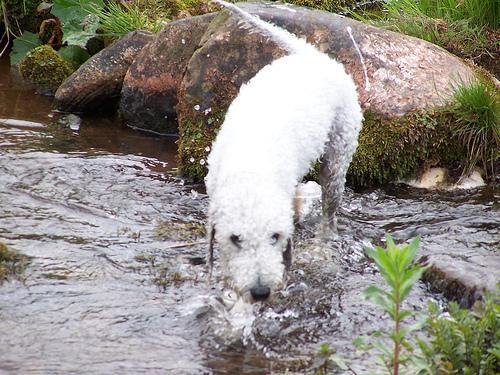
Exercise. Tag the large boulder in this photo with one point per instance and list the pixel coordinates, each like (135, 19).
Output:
(149, 92)
(96, 85)
(395, 74)
(194, 68)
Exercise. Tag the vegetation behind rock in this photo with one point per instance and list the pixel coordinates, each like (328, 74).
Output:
(469, 29)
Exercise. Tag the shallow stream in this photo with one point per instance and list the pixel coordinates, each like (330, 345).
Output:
(116, 282)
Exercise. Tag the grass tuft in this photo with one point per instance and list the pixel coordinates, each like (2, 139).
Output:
(117, 20)
(467, 28)
(478, 13)
(477, 110)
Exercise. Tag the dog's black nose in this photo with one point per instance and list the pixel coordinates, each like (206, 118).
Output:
(260, 293)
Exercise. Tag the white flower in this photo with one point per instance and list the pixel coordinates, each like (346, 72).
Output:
(197, 107)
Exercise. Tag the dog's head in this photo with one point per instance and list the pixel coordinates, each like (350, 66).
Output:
(254, 234)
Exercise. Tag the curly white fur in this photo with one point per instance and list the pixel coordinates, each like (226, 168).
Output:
(273, 131)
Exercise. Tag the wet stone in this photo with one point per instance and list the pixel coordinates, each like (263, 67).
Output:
(149, 93)
(96, 85)
(464, 278)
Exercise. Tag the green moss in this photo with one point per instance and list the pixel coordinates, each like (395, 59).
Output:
(11, 263)
(183, 8)
(397, 148)
(391, 149)
(45, 68)
(195, 144)
(197, 129)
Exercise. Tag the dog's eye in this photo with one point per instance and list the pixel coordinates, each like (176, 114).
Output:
(236, 240)
(274, 238)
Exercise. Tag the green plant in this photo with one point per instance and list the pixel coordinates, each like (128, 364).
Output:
(395, 266)
(78, 21)
(464, 342)
(117, 20)
(458, 342)
(327, 5)
(477, 108)
(479, 13)
(78, 26)
(326, 359)
(22, 46)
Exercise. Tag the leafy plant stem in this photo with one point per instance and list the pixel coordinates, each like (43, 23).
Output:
(397, 344)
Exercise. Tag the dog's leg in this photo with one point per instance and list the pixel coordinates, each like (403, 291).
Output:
(331, 189)
(334, 164)
(287, 255)
(211, 231)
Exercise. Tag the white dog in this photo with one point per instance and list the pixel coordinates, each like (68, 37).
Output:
(295, 110)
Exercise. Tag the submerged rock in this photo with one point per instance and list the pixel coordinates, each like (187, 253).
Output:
(45, 69)
(464, 277)
(438, 178)
(149, 93)
(96, 85)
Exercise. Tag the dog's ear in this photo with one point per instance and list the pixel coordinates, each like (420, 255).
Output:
(211, 250)
(287, 255)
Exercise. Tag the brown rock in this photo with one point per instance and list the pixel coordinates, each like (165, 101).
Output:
(97, 83)
(149, 92)
(403, 73)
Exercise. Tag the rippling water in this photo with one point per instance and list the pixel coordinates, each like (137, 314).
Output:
(111, 288)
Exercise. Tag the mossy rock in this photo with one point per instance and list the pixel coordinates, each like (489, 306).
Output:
(149, 91)
(391, 149)
(401, 82)
(45, 69)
